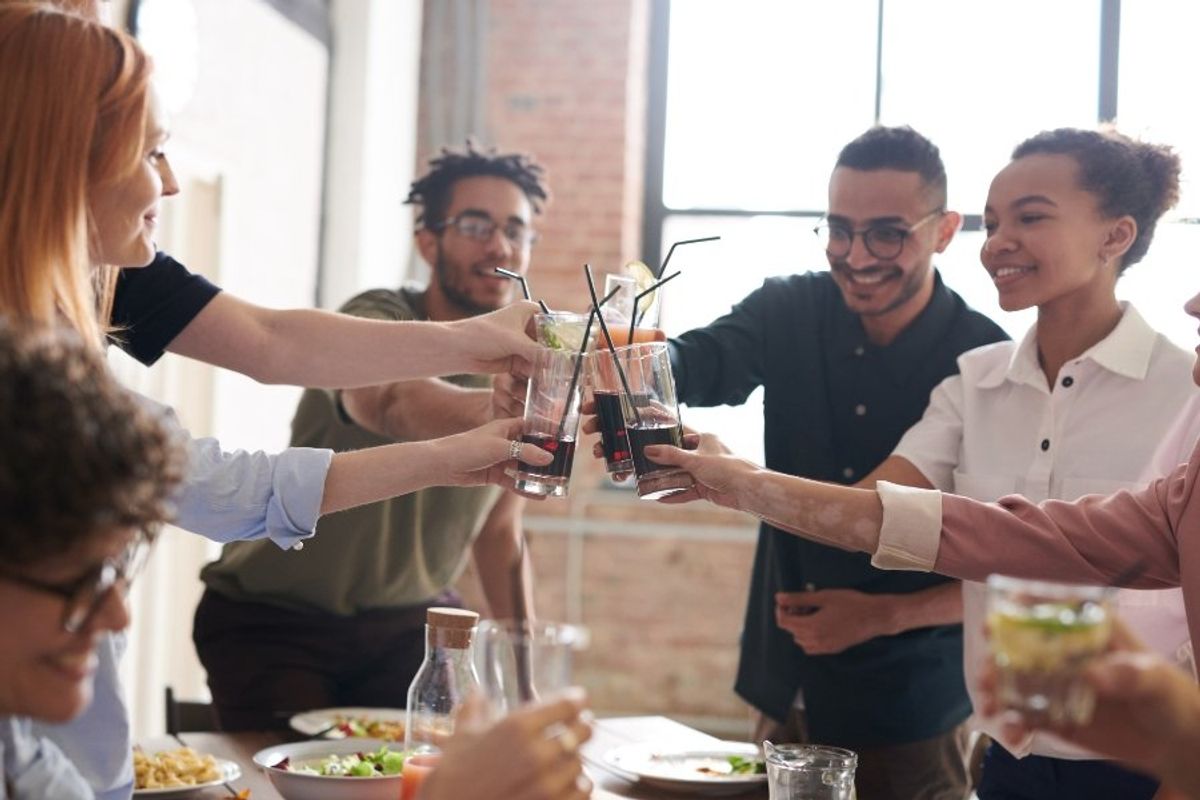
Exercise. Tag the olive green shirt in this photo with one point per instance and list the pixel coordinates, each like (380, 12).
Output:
(399, 552)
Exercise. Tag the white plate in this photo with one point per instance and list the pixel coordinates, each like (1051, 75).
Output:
(677, 768)
(229, 770)
(310, 723)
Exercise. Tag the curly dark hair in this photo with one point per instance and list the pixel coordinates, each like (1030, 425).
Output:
(1126, 176)
(79, 455)
(899, 148)
(432, 190)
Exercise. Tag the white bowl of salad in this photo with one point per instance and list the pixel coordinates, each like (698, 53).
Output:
(349, 769)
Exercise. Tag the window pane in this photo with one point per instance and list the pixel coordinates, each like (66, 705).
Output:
(1159, 59)
(978, 84)
(1162, 281)
(756, 110)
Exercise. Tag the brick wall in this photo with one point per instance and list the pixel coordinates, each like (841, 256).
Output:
(661, 589)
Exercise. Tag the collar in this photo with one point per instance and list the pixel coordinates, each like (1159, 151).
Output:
(1126, 351)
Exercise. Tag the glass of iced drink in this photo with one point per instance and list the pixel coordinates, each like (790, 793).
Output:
(551, 420)
(562, 330)
(1042, 636)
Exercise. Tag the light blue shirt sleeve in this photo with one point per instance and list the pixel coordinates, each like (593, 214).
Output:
(34, 768)
(230, 496)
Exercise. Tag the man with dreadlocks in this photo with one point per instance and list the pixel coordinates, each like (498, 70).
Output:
(341, 623)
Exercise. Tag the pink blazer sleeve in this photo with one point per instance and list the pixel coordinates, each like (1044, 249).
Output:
(1092, 540)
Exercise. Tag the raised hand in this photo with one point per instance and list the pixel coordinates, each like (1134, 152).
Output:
(485, 454)
(501, 341)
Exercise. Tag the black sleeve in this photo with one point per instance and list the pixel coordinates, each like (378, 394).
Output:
(154, 303)
(721, 364)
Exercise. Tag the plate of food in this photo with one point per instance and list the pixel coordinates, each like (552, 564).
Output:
(715, 769)
(178, 772)
(346, 723)
(350, 769)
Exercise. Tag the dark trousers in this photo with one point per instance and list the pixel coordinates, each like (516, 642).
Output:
(1041, 778)
(266, 663)
(929, 769)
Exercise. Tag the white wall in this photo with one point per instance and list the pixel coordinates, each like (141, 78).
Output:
(368, 234)
(249, 148)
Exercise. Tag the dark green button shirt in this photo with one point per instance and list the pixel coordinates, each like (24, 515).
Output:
(835, 406)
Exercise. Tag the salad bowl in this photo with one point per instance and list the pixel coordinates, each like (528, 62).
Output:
(323, 754)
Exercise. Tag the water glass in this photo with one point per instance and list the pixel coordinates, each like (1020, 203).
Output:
(1042, 636)
(523, 662)
(809, 772)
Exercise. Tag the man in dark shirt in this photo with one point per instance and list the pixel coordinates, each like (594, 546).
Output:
(847, 359)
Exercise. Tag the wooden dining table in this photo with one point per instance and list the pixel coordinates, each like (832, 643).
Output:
(607, 734)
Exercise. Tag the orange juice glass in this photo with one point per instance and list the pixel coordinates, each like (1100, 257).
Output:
(416, 770)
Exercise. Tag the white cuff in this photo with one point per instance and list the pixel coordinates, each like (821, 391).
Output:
(911, 529)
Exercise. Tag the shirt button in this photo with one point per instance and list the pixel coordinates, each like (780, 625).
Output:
(1068, 381)
(858, 351)
(298, 546)
(860, 409)
(848, 472)
(1045, 445)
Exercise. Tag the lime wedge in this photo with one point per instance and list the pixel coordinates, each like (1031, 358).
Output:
(644, 278)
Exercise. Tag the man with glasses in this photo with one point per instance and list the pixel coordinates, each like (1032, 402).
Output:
(847, 359)
(341, 623)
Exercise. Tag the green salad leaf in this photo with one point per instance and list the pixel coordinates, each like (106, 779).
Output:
(741, 765)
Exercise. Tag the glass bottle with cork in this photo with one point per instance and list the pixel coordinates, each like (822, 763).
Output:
(445, 679)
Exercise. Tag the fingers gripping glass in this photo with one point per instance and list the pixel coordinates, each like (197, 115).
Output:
(882, 241)
(86, 594)
(481, 228)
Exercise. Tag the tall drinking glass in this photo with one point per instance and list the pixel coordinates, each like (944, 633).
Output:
(523, 662)
(651, 417)
(552, 420)
(1042, 636)
(609, 397)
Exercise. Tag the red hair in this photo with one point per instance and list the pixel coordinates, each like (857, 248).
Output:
(74, 97)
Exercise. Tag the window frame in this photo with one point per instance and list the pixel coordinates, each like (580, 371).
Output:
(655, 210)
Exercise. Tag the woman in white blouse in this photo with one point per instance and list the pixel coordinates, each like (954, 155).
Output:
(1076, 407)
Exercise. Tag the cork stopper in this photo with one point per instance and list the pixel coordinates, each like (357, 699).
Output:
(451, 627)
(456, 618)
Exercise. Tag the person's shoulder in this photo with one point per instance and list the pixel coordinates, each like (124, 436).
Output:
(390, 304)
(974, 326)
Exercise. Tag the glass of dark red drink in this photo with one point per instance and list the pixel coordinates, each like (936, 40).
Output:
(609, 397)
(648, 409)
(551, 421)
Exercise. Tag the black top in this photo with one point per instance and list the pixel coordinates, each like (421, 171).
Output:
(154, 303)
(835, 406)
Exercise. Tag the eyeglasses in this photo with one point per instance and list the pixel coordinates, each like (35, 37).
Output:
(882, 241)
(481, 228)
(86, 594)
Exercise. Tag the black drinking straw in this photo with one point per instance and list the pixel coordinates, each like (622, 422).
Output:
(587, 270)
(587, 331)
(671, 252)
(634, 318)
(524, 285)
